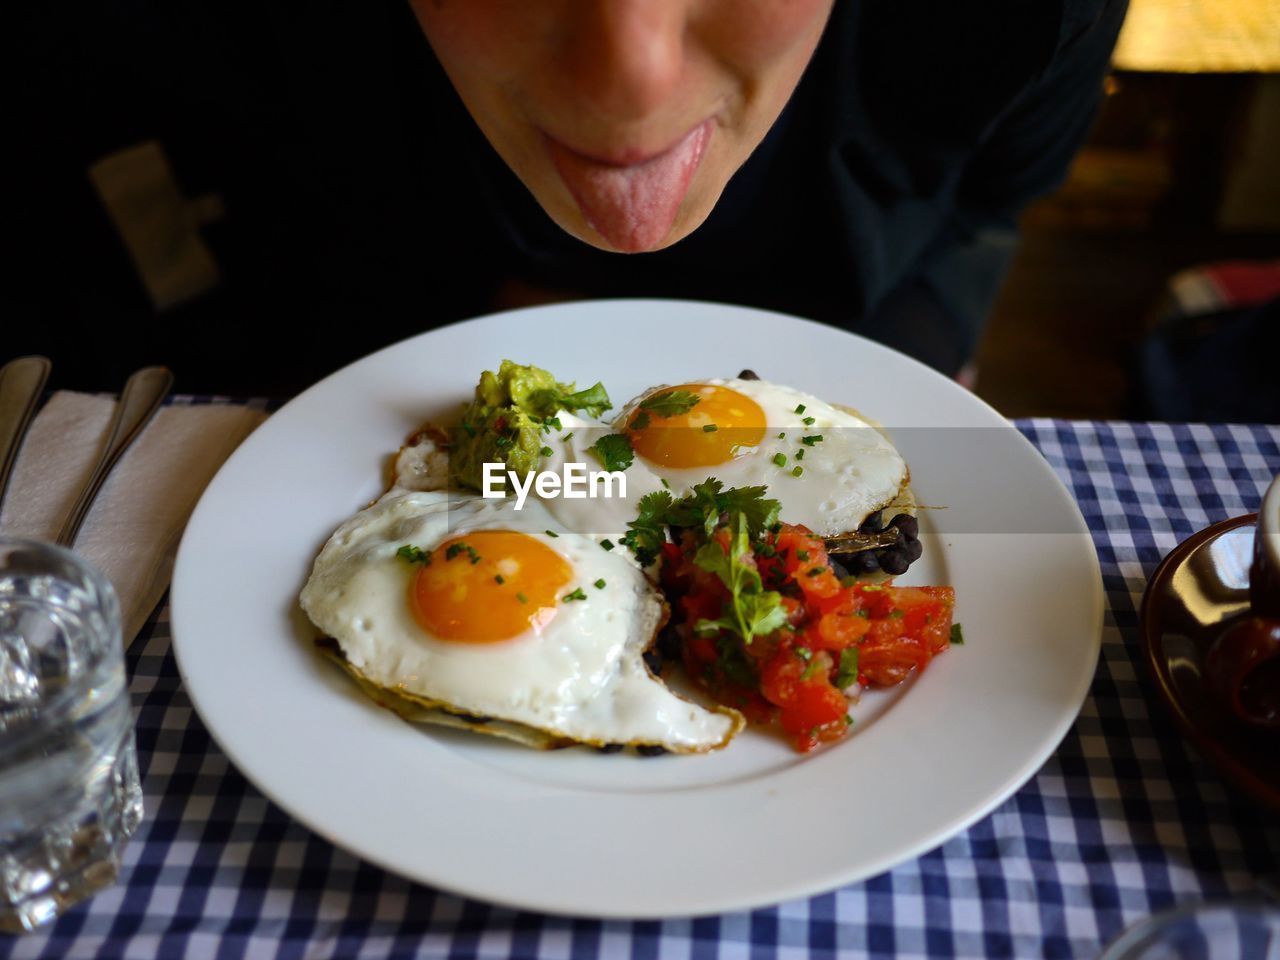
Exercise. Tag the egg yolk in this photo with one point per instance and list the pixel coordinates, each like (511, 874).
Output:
(718, 428)
(488, 586)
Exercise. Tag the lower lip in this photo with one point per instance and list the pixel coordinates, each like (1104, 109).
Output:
(632, 206)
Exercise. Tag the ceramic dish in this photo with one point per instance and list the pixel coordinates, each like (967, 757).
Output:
(574, 831)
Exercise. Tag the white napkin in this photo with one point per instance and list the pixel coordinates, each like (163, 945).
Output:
(134, 526)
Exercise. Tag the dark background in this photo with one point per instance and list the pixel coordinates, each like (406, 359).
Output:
(1168, 181)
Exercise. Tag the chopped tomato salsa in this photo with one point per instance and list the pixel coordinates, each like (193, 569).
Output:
(825, 636)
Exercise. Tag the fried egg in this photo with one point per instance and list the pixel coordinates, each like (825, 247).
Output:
(452, 600)
(827, 466)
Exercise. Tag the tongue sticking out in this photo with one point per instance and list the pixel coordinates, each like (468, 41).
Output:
(632, 207)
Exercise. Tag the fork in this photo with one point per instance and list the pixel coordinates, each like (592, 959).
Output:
(143, 393)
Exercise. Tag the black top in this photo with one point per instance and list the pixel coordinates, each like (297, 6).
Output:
(884, 199)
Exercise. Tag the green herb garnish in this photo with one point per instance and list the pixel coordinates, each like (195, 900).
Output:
(703, 509)
(614, 451)
(577, 594)
(669, 403)
(751, 610)
(957, 635)
(414, 554)
(847, 670)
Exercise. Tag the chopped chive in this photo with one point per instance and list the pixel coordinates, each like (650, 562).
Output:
(709, 428)
(499, 579)
(551, 533)
(780, 459)
(567, 437)
(800, 408)
(545, 451)
(550, 422)
(607, 544)
(800, 454)
(808, 421)
(804, 653)
(766, 549)
(817, 571)
(577, 594)
(802, 555)
(599, 584)
(522, 598)
(665, 484)
(797, 471)
(811, 440)
(957, 635)
(414, 554)
(454, 549)
(471, 431)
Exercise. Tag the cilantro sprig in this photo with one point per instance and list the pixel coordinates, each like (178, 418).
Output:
(670, 403)
(703, 509)
(750, 610)
(614, 451)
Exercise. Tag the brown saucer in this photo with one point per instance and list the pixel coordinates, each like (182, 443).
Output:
(1200, 587)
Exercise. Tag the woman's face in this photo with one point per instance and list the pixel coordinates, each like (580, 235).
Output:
(624, 118)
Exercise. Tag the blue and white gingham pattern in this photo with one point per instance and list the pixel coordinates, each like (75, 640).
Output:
(1123, 820)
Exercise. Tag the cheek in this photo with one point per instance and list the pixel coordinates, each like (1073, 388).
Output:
(482, 37)
(757, 35)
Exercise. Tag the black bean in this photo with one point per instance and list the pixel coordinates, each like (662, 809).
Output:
(893, 561)
(610, 748)
(670, 646)
(837, 568)
(653, 660)
(913, 550)
(873, 523)
(864, 562)
(908, 524)
(748, 375)
(650, 750)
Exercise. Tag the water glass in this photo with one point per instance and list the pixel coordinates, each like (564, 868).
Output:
(69, 791)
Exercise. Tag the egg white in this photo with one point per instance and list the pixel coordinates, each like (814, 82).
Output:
(580, 677)
(849, 474)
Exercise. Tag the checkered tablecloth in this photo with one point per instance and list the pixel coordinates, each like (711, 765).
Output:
(1123, 820)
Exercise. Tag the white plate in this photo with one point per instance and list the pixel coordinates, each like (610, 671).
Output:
(574, 831)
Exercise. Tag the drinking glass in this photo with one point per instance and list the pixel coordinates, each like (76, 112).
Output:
(69, 791)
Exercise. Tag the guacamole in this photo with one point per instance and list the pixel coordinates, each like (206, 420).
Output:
(511, 419)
